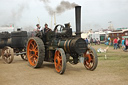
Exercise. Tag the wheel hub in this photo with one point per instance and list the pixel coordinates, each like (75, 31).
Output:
(33, 52)
(56, 61)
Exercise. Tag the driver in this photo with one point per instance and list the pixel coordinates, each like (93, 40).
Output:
(46, 29)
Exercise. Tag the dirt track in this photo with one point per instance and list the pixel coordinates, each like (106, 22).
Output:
(108, 72)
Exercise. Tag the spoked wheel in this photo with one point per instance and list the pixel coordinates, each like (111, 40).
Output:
(35, 52)
(24, 57)
(91, 59)
(7, 54)
(60, 60)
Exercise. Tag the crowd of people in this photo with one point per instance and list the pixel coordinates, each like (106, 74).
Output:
(91, 41)
(118, 43)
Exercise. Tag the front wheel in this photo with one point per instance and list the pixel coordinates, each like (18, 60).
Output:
(35, 52)
(90, 59)
(60, 60)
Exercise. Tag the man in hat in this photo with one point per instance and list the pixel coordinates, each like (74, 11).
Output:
(38, 30)
(46, 29)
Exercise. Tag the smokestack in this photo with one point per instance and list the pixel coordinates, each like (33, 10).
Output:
(54, 18)
(78, 20)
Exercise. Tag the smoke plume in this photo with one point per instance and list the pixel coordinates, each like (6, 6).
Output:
(49, 9)
(65, 5)
(62, 7)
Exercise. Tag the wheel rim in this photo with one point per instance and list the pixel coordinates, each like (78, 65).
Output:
(32, 52)
(89, 59)
(58, 61)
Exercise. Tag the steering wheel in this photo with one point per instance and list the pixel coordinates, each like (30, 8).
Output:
(58, 28)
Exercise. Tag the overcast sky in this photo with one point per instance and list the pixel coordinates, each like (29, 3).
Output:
(95, 13)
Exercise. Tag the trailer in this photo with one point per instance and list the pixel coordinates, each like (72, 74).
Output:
(13, 43)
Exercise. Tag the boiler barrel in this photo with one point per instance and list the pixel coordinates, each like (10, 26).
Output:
(16, 39)
(74, 45)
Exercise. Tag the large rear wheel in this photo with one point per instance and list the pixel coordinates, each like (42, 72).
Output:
(7, 54)
(60, 60)
(91, 59)
(35, 52)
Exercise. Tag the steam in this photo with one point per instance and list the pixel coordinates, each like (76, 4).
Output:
(62, 7)
(17, 14)
(65, 5)
(49, 9)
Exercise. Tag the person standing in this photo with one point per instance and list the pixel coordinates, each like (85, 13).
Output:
(126, 43)
(86, 40)
(115, 43)
(118, 43)
(91, 41)
(108, 40)
(98, 42)
(39, 28)
(95, 41)
(123, 43)
(46, 29)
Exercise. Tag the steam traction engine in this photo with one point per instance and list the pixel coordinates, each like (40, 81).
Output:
(59, 45)
(13, 43)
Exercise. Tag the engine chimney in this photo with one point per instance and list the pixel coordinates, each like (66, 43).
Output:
(78, 20)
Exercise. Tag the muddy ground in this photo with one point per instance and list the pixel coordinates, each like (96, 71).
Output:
(113, 71)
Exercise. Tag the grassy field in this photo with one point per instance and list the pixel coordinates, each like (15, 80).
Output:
(111, 53)
(116, 62)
